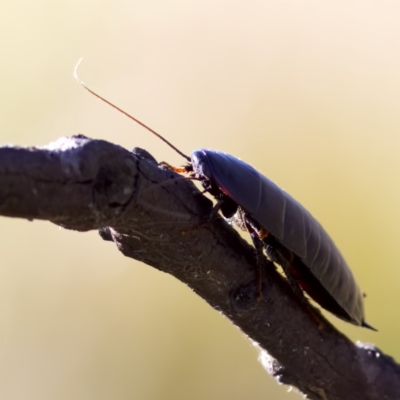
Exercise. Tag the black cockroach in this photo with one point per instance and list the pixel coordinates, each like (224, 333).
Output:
(290, 235)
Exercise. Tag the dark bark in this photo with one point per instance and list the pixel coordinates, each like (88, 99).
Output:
(155, 216)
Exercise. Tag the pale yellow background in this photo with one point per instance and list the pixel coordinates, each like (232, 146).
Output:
(306, 91)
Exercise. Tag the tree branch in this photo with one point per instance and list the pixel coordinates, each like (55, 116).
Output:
(156, 216)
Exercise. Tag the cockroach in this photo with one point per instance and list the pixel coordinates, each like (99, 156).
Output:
(277, 223)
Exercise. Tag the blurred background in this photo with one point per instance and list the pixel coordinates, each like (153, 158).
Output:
(307, 92)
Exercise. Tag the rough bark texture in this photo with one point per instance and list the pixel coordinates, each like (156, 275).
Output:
(155, 216)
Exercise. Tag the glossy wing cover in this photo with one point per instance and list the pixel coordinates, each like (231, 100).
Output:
(287, 220)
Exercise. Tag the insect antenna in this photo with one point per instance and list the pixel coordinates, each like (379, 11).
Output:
(125, 113)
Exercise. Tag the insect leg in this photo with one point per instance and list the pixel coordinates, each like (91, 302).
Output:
(287, 261)
(260, 263)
